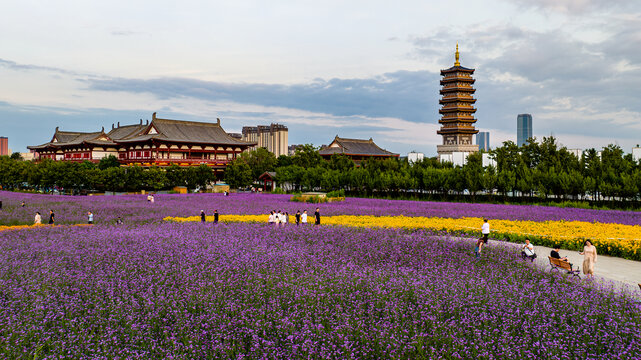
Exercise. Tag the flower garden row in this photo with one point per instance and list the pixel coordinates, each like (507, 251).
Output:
(610, 239)
(245, 290)
(135, 209)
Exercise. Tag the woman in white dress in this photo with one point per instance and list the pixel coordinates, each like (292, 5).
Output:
(589, 259)
(37, 220)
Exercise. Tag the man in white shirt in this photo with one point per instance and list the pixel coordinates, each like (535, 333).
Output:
(485, 230)
(527, 251)
(303, 218)
(283, 219)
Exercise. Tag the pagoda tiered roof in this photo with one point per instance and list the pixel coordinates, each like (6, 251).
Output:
(457, 68)
(457, 100)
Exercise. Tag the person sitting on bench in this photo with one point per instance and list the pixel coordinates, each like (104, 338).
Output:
(527, 251)
(555, 254)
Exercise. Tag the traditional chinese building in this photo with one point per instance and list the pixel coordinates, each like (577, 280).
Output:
(357, 149)
(161, 142)
(457, 111)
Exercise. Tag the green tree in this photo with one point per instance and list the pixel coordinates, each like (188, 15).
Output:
(108, 162)
(341, 162)
(489, 179)
(284, 160)
(198, 177)
(155, 178)
(133, 178)
(16, 156)
(238, 174)
(175, 176)
(307, 156)
(114, 179)
(259, 161)
(473, 172)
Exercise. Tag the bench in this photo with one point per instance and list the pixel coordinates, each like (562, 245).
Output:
(556, 264)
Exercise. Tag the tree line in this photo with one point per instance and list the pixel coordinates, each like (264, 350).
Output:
(538, 170)
(107, 175)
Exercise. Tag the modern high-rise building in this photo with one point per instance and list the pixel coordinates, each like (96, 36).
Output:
(636, 153)
(271, 137)
(523, 128)
(4, 145)
(457, 111)
(483, 140)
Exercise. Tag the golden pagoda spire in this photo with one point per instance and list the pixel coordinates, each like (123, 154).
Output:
(456, 63)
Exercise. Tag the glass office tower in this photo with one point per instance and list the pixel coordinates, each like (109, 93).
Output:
(483, 140)
(523, 128)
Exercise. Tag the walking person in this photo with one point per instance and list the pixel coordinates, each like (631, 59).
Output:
(589, 259)
(37, 220)
(22, 204)
(303, 218)
(479, 246)
(286, 217)
(52, 217)
(89, 217)
(202, 216)
(317, 216)
(215, 216)
(297, 217)
(271, 217)
(485, 231)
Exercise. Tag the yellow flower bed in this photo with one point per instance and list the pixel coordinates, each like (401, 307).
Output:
(18, 227)
(612, 239)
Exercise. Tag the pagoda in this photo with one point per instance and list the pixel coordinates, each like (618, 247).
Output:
(457, 111)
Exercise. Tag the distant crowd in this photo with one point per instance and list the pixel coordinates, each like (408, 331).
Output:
(282, 218)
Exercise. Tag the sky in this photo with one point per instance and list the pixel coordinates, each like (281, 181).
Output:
(357, 69)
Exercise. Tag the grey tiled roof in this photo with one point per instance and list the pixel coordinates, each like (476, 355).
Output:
(122, 132)
(355, 147)
(178, 131)
(187, 132)
(74, 138)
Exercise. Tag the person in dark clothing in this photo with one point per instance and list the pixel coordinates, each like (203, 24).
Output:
(555, 254)
(215, 216)
(317, 217)
(202, 215)
(52, 217)
(298, 217)
(22, 204)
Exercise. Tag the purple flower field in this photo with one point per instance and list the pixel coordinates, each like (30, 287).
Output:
(135, 209)
(191, 290)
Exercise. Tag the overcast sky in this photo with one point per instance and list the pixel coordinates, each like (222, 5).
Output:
(354, 68)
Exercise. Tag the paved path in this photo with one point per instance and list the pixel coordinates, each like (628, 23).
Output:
(626, 273)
